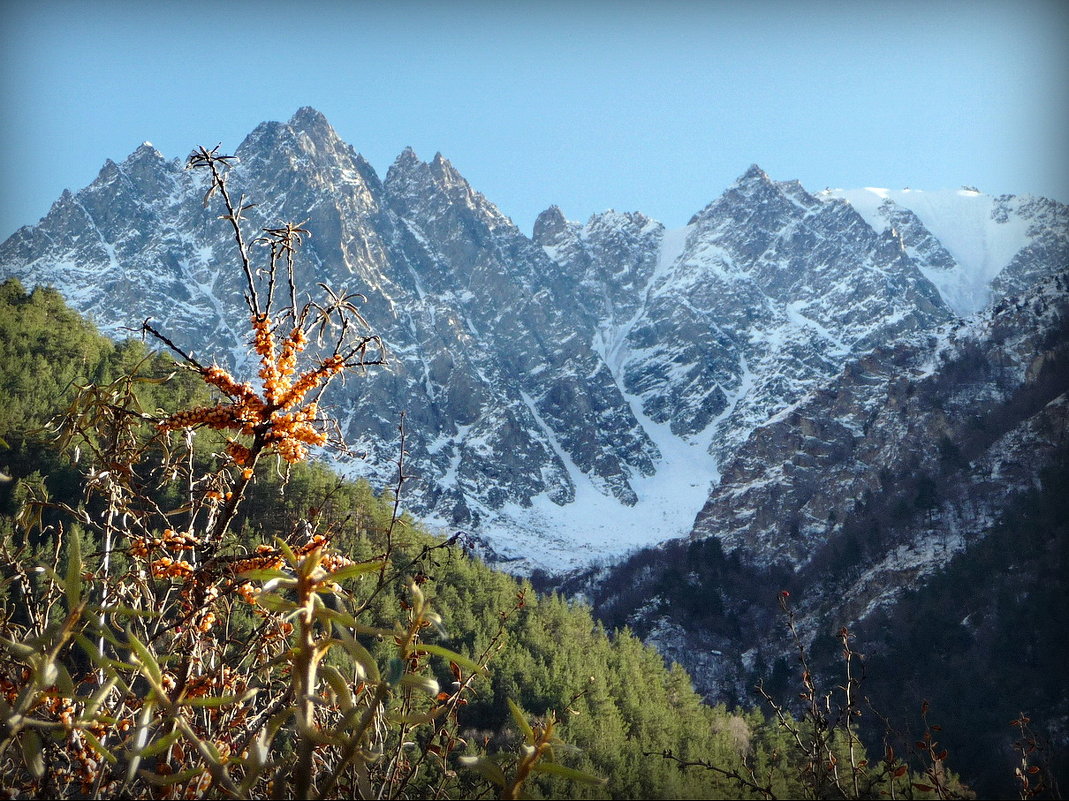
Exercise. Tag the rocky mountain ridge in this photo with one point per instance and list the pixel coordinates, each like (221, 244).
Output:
(569, 396)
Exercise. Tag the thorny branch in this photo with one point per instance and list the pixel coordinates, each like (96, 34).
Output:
(749, 781)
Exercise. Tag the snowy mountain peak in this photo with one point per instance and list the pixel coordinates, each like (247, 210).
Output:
(417, 189)
(972, 246)
(301, 136)
(446, 173)
(265, 139)
(753, 175)
(549, 226)
(408, 168)
(145, 152)
(406, 158)
(309, 121)
(756, 192)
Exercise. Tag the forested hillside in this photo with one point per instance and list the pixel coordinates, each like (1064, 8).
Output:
(618, 705)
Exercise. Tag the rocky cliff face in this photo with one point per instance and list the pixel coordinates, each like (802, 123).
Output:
(961, 418)
(863, 490)
(569, 397)
(918, 499)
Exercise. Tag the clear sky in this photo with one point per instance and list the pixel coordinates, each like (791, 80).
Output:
(650, 106)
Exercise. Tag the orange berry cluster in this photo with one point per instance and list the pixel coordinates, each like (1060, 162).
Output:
(287, 362)
(221, 379)
(249, 593)
(174, 541)
(198, 686)
(203, 618)
(171, 540)
(202, 786)
(226, 680)
(263, 339)
(217, 417)
(290, 433)
(83, 762)
(276, 372)
(308, 381)
(330, 561)
(165, 567)
(270, 558)
(9, 690)
(315, 541)
(238, 453)
(333, 562)
(204, 625)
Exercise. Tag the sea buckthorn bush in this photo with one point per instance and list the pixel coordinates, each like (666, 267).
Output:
(149, 648)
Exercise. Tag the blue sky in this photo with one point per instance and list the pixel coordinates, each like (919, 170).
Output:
(590, 105)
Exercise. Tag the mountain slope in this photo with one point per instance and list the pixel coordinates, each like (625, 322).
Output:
(866, 489)
(874, 491)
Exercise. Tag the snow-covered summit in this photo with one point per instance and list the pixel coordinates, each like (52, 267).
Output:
(983, 235)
